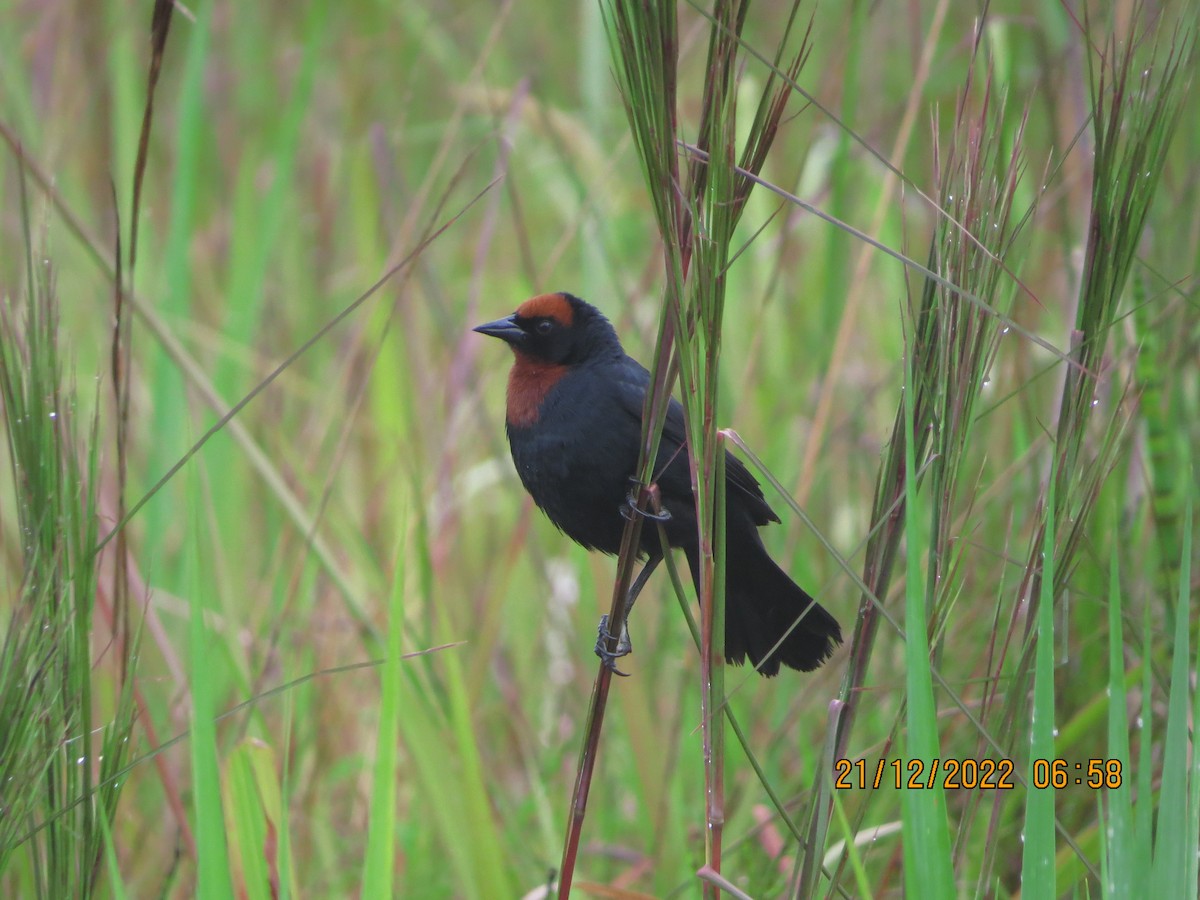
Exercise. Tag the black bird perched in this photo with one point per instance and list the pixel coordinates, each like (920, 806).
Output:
(574, 423)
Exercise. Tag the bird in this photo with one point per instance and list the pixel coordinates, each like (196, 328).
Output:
(574, 422)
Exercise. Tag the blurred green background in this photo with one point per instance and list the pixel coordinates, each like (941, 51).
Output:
(300, 150)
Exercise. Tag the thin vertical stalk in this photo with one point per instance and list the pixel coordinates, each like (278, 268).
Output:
(697, 219)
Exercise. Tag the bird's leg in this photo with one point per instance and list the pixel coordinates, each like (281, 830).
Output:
(624, 645)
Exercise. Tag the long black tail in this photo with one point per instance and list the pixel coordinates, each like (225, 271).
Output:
(762, 605)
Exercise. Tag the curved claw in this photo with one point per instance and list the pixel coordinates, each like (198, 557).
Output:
(630, 508)
(610, 657)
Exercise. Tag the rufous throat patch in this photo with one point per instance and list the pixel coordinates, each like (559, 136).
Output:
(529, 381)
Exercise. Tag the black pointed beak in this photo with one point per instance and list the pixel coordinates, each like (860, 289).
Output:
(506, 329)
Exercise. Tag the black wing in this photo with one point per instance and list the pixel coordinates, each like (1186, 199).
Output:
(671, 469)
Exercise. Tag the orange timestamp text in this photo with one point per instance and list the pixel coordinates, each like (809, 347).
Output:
(916, 774)
(975, 774)
(1061, 773)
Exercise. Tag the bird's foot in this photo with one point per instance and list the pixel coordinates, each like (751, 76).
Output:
(630, 507)
(610, 657)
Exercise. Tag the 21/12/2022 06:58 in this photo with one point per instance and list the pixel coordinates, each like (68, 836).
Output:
(971, 774)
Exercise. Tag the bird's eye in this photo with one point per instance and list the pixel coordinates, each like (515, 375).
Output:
(545, 326)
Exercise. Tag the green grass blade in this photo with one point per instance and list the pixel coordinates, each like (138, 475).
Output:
(1174, 871)
(379, 863)
(927, 864)
(246, 824)
(1037, 853)
(212, 865)
(175, 290)
(1119, 861)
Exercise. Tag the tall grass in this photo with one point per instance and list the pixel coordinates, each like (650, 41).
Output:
(698, 206)
(963, 356)
(65, 693)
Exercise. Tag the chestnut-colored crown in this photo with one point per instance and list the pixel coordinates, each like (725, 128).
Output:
(550, 306)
